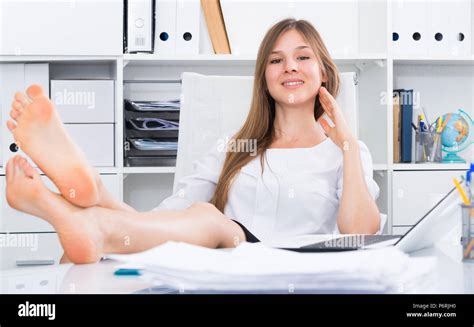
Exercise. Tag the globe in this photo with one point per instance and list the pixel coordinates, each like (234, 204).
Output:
(456, 135)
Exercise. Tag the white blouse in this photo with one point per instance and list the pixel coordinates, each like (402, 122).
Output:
(298, 192)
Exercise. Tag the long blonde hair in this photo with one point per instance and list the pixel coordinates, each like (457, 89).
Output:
(259, 123)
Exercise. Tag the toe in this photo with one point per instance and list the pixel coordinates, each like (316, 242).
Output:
(29, 170)
(20, 97)
(17, 105)
(21, 162)
(10, 170)
(34, 91)
(11, 125)
(14, 114)
(16, 167)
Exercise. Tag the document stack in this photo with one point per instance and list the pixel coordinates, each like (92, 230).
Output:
(151, 132)
(256, 268)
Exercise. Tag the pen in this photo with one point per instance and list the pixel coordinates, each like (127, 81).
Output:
(461, 191)
(438, 124)
(128, 272)
(425, 117)
(446, 121)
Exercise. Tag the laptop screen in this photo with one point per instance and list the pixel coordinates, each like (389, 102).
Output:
(444, 203)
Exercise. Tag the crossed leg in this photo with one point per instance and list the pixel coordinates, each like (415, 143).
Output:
(87, 234)
(105, 225)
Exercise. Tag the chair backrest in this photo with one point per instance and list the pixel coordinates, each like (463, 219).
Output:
(213, 108)
(383, 222)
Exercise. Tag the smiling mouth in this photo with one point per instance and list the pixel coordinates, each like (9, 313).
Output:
(292, 84)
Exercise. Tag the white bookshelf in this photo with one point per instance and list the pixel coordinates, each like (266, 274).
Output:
(379, 72)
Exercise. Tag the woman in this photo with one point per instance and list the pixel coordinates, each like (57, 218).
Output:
(303, 180)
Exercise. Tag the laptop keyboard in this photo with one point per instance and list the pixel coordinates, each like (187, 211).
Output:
(350, 242)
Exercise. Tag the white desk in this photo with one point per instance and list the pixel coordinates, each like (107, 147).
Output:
(451, 275)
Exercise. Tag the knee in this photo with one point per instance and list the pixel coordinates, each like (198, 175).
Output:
(203, 206)
(206, 210)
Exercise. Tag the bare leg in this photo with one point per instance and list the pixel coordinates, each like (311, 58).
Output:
(88, 234)
(107, 200)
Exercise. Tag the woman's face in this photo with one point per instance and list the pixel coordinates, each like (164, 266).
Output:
(292, 72)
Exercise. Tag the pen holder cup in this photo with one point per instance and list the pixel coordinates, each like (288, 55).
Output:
(467, 237)
(427, 147)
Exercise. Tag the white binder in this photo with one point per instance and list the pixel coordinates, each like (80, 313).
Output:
(459, 29)
(439, 36)
(140, 22)
(165, 30)
(14, 78)
(187, 26)
(410, 22)
(205, 42)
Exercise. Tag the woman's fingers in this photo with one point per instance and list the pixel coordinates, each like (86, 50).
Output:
(326, 108)
(327, 129)
(330, 106)
(325, 102)
(328, 97)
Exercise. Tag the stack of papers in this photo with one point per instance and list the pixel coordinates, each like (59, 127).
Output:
(166, 105)
(258, 268)
(153, 145)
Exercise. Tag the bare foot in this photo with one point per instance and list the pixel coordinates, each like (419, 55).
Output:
(80, 236)
(39, 132)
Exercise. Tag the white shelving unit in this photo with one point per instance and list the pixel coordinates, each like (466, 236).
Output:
(379, 72)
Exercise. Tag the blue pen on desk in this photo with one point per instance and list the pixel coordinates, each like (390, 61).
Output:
(127, 272)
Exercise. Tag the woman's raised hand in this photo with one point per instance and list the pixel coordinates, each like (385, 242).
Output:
(340, 134)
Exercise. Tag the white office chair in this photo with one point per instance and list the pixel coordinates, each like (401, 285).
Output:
(383, 222)
(215, 107)
(212, 108)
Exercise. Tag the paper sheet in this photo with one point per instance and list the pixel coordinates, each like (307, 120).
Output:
(256, 267)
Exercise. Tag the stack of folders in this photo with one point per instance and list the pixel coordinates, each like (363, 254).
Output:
(402, 125)
(151, 133)
(173, 27)
(258, 268)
